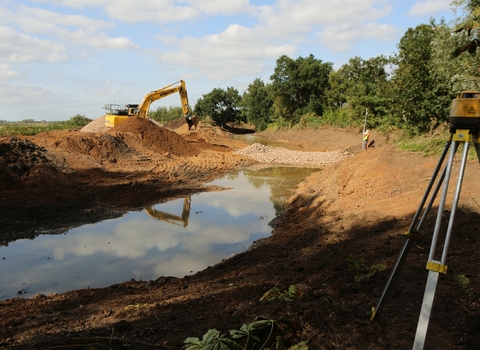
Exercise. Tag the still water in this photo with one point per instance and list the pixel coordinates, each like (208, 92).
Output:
(177, 238)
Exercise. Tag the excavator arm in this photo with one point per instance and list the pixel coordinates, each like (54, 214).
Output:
(173, 219)
(168, 90)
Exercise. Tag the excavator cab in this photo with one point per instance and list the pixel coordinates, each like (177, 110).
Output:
(116, 114)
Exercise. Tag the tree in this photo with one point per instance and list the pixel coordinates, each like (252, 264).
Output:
(257, 104)
(460, 73)
(223, 106)
(419, 97)
(164, 114)
(80, 120)
(299, 86)
(360, 85)
(468, 25)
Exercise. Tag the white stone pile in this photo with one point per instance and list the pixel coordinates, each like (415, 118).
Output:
(97, 125)
(280, 155)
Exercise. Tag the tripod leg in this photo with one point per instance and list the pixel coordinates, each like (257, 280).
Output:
(412, 231)
(435, 267)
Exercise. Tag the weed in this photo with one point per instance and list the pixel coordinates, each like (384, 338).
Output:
(293, 293)
(463, 282)
(263, 333)
(360, 270)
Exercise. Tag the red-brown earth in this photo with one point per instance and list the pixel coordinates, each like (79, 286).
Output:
(355, 211)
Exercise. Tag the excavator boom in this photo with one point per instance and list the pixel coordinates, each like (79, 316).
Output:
(168, 90)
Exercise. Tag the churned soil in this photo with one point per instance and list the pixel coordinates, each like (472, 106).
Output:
(343, 220)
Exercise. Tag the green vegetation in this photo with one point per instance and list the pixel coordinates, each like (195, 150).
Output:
(263, 333)
(362, 271)
(463, 282)
(164, 115)
(29, 127)
(275, 294)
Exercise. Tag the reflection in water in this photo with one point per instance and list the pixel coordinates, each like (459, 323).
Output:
(173, 219)
(281, 180)
(212, 227)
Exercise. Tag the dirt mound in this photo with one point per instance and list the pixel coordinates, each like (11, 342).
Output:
(207, 137)
(99, 146)
(176, 123)
(156, 137)
(20, 158)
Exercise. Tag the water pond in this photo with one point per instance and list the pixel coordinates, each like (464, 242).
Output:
(177, 238)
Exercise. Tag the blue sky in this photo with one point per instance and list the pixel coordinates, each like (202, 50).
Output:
(59, 58)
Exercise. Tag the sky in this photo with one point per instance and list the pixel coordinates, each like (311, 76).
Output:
(60, 58)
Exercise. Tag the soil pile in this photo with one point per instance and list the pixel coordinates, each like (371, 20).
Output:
(99, 146)
(20, 158)
(158, 138)
(176, 123)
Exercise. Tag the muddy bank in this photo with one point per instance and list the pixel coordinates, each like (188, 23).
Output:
(343, 220)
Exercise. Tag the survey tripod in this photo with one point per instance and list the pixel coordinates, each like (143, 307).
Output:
(464, 128)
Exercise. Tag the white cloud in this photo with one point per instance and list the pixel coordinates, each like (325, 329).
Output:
(76, 4)
(160, 11)
(6, 72)
(222, 7)
(338, 24)
(222, 56)
(149, 11)
(68, 29)
(429, 7)
(16, 47)
(166, 39)
(44, 20)
(16, 95)
(342, 38)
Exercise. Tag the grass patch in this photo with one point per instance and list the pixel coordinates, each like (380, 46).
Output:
(30, 129)
(432, 145)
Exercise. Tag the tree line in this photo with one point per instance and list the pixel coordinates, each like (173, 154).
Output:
(412, 89)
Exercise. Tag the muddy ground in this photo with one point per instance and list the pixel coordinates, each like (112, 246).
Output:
(343, 219)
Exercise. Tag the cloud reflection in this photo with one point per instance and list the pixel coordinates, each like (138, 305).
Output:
(137, 246)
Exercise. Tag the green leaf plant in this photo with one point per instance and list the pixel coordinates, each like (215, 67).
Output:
(262, 333)
(360, 270)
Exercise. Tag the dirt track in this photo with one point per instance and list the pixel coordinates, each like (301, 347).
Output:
(357, 209)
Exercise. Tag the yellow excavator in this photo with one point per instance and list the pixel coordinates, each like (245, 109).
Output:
(173, 219)
(119, 113)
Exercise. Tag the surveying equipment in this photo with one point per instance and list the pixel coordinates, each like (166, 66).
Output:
(464, 128)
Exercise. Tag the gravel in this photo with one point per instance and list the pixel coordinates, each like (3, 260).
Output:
(97, 125)
(280, 155)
